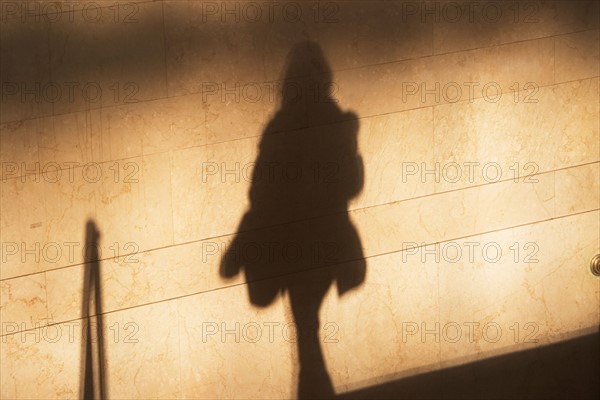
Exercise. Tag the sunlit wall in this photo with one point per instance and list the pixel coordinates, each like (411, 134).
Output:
(477, 124)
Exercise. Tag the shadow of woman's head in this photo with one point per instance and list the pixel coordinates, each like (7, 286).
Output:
(306, 74)
(306, 58)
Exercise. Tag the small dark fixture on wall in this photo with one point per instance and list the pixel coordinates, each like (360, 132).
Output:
(595, 265)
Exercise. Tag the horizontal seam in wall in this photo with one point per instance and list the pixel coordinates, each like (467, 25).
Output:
(348, 211)
(283, 132)
(305, 271)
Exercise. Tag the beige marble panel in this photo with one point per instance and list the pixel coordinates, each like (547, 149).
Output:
(207, 45)
(138, 279)
(122, 131)
(25, 78)
(463, 25)
(454, 214)
(62, 142)
(563, 298)
(133, 204)
(178, 123)
(20, 228)
(19, 145)
(477, 272)
(577, 189)
(502, 293)
(65, 293)
(524, 133)
(211, 184)
(443, 79)
(577, 56)
(23, 303)
(571, 292)
(143, 352)
(42, 363)
(73, 140)
(210, 356)
(69, 203)
(387, 144)
(397, 291)
(151, 127)
(49, 232)
(92, 72)
(141, 356)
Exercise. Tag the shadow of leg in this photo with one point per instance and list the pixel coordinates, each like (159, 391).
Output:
(313, 379)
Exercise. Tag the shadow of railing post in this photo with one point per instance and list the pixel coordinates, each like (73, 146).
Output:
(93, 382)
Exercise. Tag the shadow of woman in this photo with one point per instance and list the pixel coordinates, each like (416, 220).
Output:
(297, 236)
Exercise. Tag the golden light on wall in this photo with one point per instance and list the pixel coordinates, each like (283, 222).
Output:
(351, 199)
